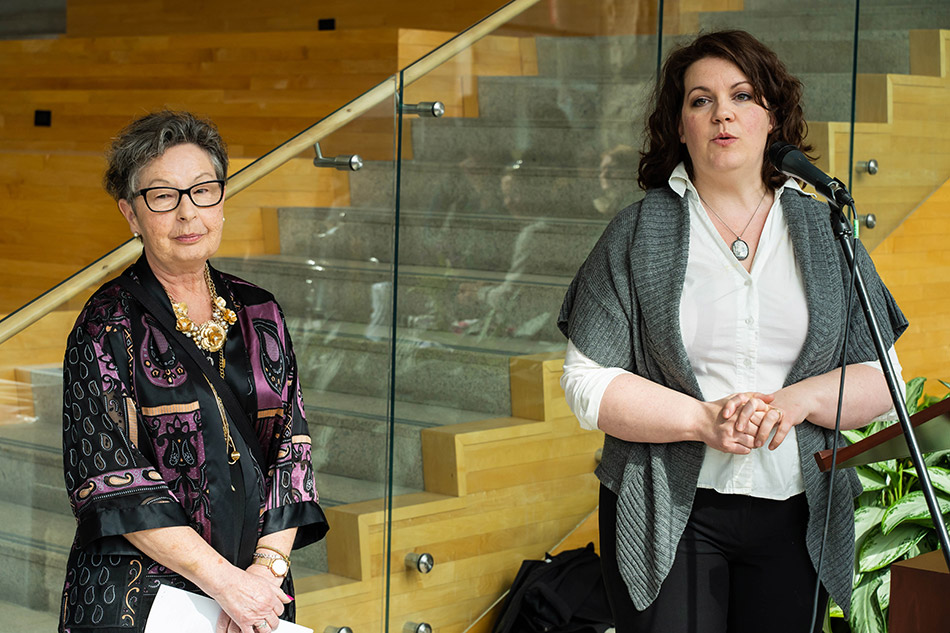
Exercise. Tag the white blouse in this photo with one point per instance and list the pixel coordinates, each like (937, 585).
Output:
(742, 331)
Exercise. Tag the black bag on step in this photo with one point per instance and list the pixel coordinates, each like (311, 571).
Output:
(560, 594)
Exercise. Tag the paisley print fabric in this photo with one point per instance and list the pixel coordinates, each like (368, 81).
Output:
(144, 448)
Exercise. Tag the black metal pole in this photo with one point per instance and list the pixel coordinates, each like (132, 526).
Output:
(842, 231)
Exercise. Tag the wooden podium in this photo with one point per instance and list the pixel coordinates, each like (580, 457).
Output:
(920, 586)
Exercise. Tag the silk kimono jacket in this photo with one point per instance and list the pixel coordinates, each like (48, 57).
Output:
(144, 446)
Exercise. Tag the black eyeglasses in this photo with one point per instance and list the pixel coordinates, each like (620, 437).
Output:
(165, 199)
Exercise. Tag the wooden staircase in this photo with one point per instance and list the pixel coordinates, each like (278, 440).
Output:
(498, 491)
(902, 123)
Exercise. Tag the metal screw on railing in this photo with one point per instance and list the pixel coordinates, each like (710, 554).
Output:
(867, 220)
(422, 563)
(869, 166)
(424, 108)
(338, 629)
(417, 627)
(344, 162)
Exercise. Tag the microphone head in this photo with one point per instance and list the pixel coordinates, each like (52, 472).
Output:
(778, 151)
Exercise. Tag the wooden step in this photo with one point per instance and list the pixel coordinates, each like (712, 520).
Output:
(498, 491)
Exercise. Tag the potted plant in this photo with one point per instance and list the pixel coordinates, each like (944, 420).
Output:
(891, 521)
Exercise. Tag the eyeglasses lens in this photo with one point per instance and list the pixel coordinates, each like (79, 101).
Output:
(205, 194)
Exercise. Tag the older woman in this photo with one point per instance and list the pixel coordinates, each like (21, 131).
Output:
(187, 455)
(705, 333)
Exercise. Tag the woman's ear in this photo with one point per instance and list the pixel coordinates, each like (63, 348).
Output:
(129, 214)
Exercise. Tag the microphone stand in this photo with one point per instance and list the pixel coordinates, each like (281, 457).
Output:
(841, 228)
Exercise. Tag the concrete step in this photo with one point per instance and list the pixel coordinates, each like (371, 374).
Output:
(628, 56)
(468, 373)
(519, 305)
(34, 545)
(449, 237)
(550, 143)
(31, 463)
(532, 190)
(770, 24)
(782, 5)
(545, 98)
(351, 439)
(20, 618)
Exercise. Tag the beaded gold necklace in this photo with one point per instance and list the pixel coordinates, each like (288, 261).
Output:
(210, 336)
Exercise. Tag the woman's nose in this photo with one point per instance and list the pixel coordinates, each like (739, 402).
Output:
(723, 113)
(186, 208)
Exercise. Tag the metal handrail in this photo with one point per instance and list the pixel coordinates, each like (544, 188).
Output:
(110, 264)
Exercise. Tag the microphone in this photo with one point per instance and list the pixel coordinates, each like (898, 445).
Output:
(789, 159)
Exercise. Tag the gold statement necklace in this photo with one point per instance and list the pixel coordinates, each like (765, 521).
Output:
(210, 336)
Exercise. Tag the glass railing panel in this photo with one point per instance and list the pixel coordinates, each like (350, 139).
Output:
(326, 254)
(897, 167)
(500, 201)
(290, 229)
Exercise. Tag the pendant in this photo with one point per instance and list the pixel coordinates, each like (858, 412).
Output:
(234, 457)
(740, 249)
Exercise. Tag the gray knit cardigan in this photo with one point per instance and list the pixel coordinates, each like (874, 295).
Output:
(622, 310)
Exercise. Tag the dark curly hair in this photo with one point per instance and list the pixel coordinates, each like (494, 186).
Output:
(148, 137)
(774, 88)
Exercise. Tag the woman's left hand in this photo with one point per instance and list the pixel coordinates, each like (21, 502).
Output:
(258, 570)
(786, 410)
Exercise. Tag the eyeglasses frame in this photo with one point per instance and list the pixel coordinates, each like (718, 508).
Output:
(181, 192)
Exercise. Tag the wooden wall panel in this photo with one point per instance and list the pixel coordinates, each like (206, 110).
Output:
(915, 265)
(563, 17)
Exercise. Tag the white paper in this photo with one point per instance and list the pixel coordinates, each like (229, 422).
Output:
(178, 611)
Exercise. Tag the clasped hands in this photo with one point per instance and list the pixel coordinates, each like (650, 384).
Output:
(254, 605)
(744, 421)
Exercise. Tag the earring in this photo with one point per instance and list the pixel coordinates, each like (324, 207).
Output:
(223, 220)
(135, 234)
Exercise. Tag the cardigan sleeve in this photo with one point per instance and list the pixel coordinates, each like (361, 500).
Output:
(597, 314)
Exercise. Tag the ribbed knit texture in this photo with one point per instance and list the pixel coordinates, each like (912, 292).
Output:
(622, 310)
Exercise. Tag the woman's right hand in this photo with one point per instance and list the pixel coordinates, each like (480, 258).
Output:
(734, 420)
(247, 600)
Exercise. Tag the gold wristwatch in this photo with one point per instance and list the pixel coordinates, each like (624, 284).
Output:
(276, 562)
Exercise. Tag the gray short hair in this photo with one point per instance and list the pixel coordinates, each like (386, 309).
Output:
(149, 137)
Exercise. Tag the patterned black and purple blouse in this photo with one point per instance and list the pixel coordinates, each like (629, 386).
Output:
(144, 447)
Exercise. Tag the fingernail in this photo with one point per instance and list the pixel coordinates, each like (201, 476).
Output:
(289, 597)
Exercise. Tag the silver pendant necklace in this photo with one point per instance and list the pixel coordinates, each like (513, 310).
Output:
(739, 247)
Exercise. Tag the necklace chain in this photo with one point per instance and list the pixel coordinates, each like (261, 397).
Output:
(739, 246)
(210, 336)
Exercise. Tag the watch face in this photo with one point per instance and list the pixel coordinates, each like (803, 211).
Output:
(279, 567)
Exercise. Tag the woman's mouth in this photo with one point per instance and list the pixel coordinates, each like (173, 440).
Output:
(189, 238)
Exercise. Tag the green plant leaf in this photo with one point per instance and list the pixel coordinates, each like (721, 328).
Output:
(912, 507)
(940, 478)
(856, 435)
(935, 458)
(880, 550)
(888, 467)
(915, 389)
(866, 613)
(884, 591)
(871, 479)
(834, 610)
(866, 519)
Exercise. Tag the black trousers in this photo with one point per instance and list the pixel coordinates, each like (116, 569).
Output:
(741, 566)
